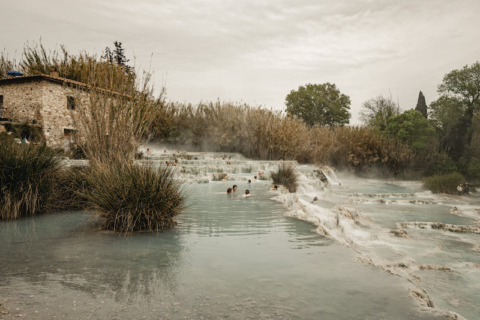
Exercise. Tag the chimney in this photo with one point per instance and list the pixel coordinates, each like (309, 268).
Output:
(53, 72)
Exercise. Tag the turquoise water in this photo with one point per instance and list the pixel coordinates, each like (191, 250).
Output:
(229, 257)
(273, 255)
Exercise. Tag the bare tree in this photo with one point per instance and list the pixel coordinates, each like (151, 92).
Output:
(376, 111)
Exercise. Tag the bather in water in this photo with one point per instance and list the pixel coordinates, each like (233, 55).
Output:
(247, 194)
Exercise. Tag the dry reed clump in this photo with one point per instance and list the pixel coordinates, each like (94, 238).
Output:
(270, 135)
(67, 193)
(27, 178)
(80, 67)
(287, 176)
(112, 124)
(130, 197)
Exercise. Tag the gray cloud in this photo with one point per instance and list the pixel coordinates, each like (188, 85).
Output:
(259, 51)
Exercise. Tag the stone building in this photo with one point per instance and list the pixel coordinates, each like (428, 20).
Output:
(46, 100)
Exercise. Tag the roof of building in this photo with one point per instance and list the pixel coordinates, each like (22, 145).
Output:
(42, 77)
(50, 78)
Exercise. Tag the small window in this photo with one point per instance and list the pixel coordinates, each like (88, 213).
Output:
(1, 106)
(70, 103)
(68, 132)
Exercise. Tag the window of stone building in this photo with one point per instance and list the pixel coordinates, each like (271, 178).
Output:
(1, 106)
(68, 132)
(70, 103)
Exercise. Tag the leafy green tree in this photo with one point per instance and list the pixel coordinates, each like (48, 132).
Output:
(376, 112)
(412, 128)
(454, 110)
(320, 104)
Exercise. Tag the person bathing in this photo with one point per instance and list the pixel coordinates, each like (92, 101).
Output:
(247, 194)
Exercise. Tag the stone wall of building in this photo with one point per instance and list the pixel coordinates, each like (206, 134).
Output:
(22, 101)
(57, 117)
(43, 102)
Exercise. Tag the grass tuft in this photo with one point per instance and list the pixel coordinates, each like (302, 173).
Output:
(287, 176)
(130, 197)
(27, 177)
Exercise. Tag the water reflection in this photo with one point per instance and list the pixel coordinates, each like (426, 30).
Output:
(66, 248)
(229, 257)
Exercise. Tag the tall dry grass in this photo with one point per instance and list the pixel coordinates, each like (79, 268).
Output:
(81, 67)
(271, 135)
(27, 178)
(6, 64)
(287, 176)
(128, 197)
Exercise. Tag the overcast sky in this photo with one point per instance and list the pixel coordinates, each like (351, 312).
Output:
(257, 51)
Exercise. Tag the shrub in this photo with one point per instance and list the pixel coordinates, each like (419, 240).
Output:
(287, 176)
(68, 190)
(473, 169)
(134, 198)
(27, 131)
(27, 177)
(446, 183)
(77, 152)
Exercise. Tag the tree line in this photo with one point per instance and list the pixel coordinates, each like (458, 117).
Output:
(448, 129)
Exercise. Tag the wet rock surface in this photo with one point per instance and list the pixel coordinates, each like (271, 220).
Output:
(390, 201)
(442, 226)
(423, 297)
(399, 233)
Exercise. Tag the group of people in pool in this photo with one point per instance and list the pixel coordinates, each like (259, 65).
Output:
(173, 164)
(233, 190)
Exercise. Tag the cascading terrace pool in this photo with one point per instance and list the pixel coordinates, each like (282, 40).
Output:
(368, 249)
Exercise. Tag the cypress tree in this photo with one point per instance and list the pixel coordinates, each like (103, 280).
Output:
(421, 104)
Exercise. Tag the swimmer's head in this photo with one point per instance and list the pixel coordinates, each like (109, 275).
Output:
(229, 190)
(276, 187)
(247, 191)
(235, 187)
(255, 177)
(249, 181)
